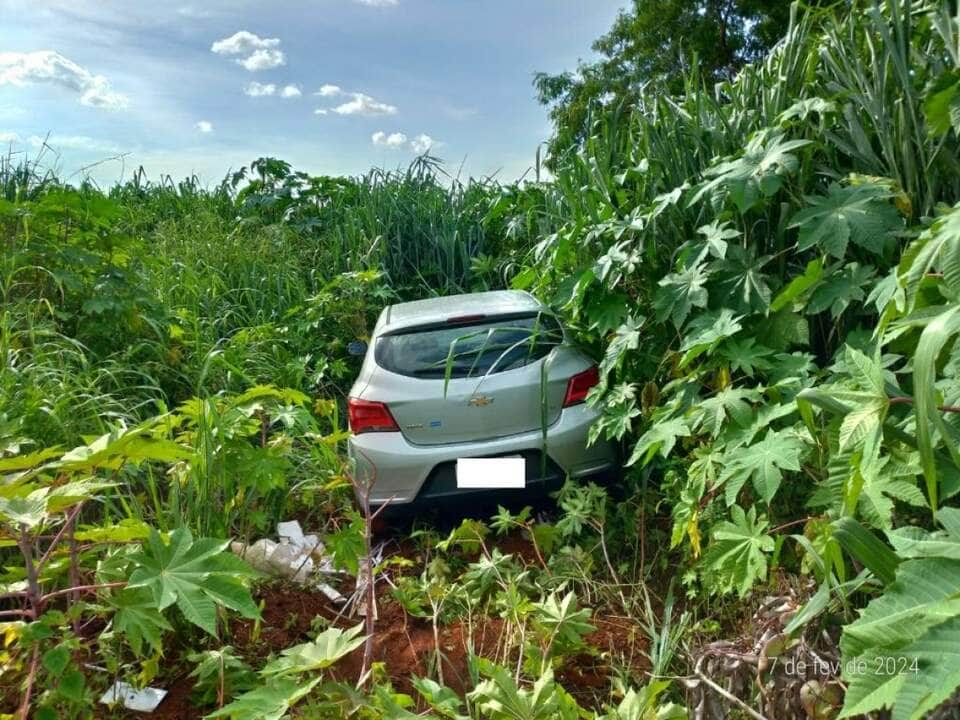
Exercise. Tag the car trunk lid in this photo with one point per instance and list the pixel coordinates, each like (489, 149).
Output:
(486, 379)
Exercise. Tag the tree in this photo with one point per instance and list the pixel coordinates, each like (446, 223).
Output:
(661, 43)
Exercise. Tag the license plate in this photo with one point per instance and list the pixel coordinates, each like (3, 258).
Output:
(500, 473)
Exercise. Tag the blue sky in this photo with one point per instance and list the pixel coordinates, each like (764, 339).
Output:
(332, 86)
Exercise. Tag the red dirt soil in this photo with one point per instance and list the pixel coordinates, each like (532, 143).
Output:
(405, 644)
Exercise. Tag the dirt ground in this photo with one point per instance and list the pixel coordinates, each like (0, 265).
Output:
(404, 643)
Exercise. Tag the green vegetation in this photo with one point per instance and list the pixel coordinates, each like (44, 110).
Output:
(767, 269)
(659, 46)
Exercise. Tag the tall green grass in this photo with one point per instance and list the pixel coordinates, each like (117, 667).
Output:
(155, 292)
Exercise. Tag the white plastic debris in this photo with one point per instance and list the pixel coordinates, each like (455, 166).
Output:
(291, 561)
(280, 559)
(291, 532)
(331, 593)
(257, 554)
(296, 557)
(145, 700)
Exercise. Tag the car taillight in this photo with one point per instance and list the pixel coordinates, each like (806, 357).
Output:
(579, 385)
(367, 416)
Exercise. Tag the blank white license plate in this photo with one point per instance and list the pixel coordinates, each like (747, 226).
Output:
(491, 473)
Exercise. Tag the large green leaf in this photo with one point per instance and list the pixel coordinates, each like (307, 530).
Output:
(763, 463)
(904, 650)
(929, 419)
(706, 332)
(913, 679)
(27, 511)
(196, 575)
(746, 356)
(868, 402)
(942, 104)
(661, 437)
(714, 243)
(759, 172)
(737, 555)
(440, 698)
(499, 697)
(25, 461)
(799, 286)
(680, 292)
(561, 620)
(138, 618)
(867, 548)
(862, 214)
(269, 702)
(912, 542)
(740, 281)
(607, 311)
(625, 339)
(925, 593)
(646, 705)
(930, 252)
(840, 289)
(117, 447)
(880, 486)
(729, 404)
(329, 646)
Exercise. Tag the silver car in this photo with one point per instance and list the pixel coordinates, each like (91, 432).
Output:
(470, 393)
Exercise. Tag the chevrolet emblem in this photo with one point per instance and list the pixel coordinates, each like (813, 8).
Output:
(480, 400)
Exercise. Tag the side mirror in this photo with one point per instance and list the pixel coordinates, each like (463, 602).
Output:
(357, 348)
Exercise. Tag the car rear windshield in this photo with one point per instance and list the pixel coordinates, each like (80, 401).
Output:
(487, 347)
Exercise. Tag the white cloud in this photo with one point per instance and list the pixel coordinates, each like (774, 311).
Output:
(243, 43)
(256, 53)
(421, 143)
(393, 140)
(361, 103)
(204, 126)
(319, 111)
(49, 66)
(9, 137)
(264, 60)
(364, 105)
(378, 3)
(256, 89)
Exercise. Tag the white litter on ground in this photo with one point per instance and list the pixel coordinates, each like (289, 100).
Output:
(145, 700)
(297, 557)
(303, 559)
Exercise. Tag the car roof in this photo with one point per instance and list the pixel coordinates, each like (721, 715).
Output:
(439, 309)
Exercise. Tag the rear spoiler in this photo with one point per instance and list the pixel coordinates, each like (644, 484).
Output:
(469, 321)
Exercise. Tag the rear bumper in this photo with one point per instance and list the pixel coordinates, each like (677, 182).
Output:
(403, 472)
